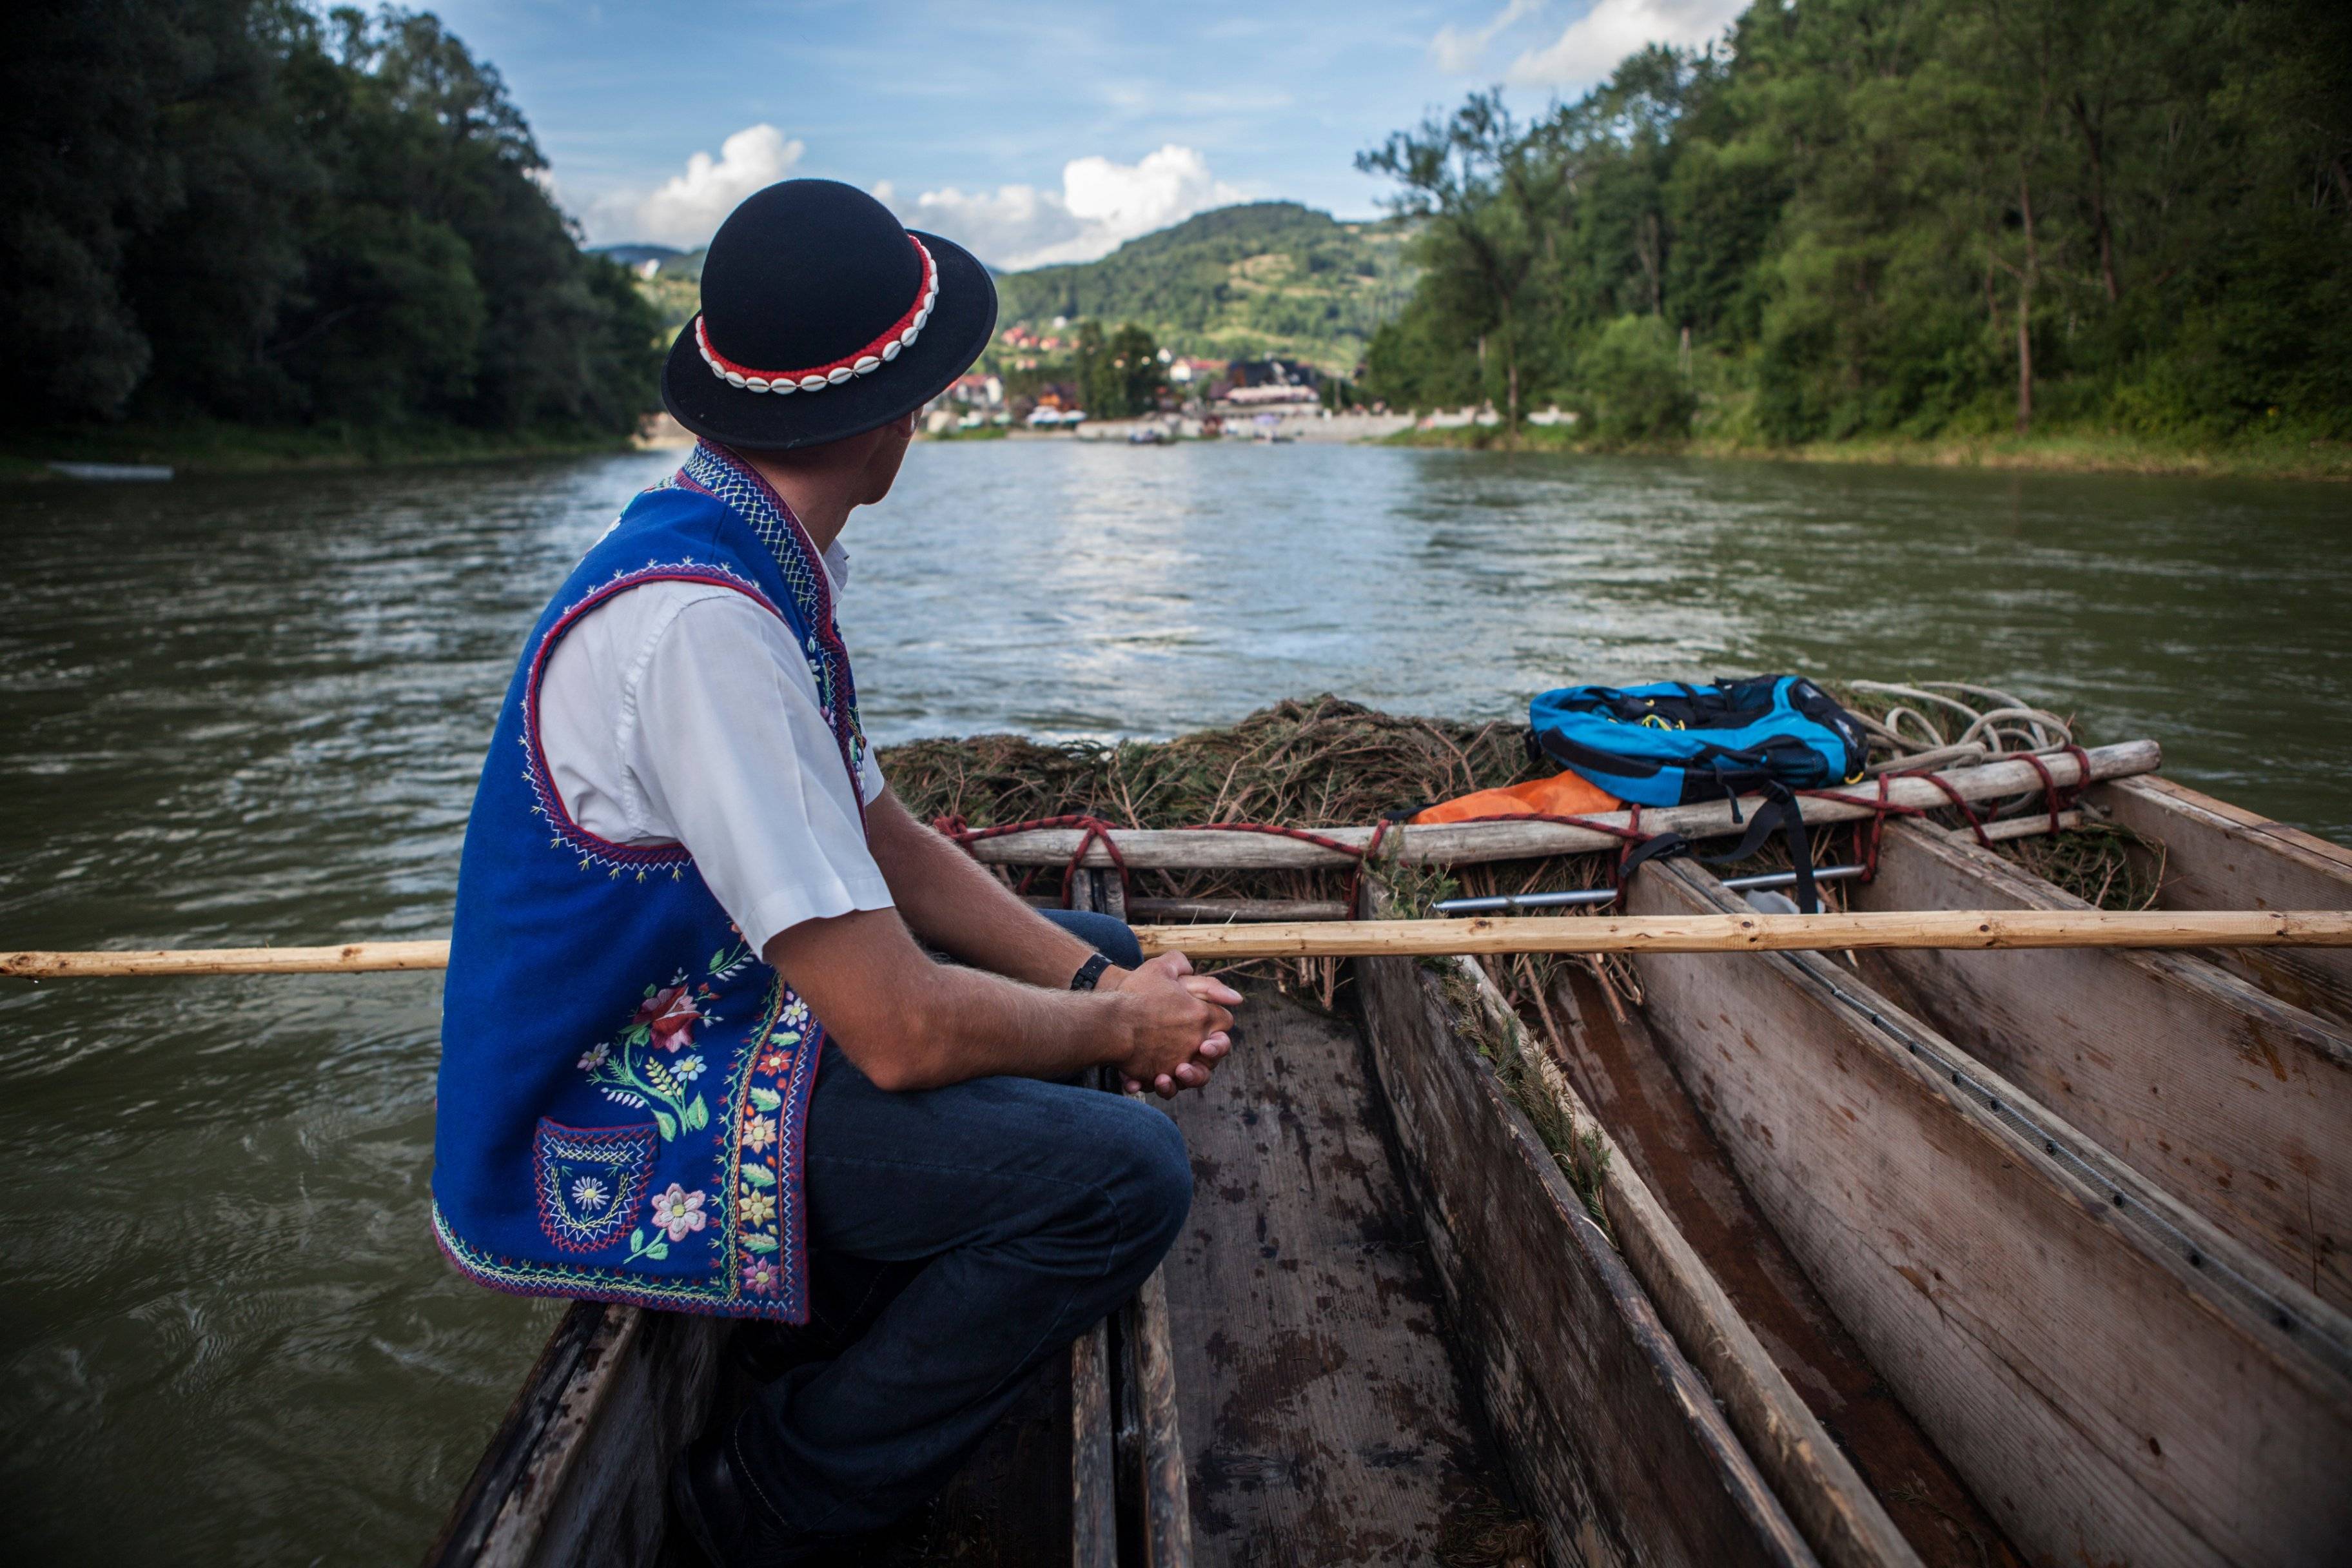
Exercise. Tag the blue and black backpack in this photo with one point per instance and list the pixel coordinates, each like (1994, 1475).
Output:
(1673, 743)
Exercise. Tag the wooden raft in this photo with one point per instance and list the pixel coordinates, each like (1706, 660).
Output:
(1556, 1326)
(1660, 1144)
(2116, 1378)
(1325, 1421)
(564, 1479)
(2233, 1100)
(2216, 856)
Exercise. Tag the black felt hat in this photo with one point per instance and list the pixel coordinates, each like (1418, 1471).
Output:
(823, 317)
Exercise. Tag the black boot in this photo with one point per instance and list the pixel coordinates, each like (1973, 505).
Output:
(717, 1516)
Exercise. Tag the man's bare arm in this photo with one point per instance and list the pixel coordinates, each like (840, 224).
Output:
(910, 1023)
(951, 901)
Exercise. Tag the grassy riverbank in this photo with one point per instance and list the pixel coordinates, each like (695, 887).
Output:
(2073, 452)
(211, 448)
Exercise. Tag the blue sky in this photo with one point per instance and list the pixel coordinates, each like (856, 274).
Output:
(1033, 133)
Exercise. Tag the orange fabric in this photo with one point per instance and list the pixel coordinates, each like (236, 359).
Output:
(1565, 795)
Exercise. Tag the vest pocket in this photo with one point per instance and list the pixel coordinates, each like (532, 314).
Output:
(590, 1181)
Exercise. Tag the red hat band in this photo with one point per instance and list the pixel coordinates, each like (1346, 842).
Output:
(897, 337)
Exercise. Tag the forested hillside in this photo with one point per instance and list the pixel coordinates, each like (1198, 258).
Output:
(1264, 278)
(235, 210)
(1914, 217)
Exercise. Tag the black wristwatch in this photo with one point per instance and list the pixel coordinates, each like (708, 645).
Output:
(1089, 972)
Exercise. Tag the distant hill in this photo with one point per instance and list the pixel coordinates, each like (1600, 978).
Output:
(1264, 278)
(635, 256)
(1267, 278)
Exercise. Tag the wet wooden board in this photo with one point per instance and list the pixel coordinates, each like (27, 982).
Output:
(1611, 1436)
(1844, 1524)
(565, 1479)
(2217, 856)
(2107, 1398)
(1617, 1068)
(2236, 1102)
(1323, 1419)
(1094, 1505)
(1152, 1496)
(577, 1472)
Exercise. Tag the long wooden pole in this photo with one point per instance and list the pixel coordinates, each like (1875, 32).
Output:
(1359, 938)
(350, 958)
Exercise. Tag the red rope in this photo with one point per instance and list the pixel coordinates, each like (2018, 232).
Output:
(2056, 797)
(1094, 830)
(1372, 848)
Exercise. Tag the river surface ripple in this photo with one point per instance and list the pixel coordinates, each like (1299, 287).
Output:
(250, 711)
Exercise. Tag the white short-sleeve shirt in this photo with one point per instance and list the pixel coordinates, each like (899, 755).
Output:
(684, 712)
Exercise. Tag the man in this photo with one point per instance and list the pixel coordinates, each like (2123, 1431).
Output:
(695, 1054)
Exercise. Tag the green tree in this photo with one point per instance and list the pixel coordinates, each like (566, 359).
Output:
(1915, 217)
(239, 208)
(1120, 374)
(1487, 195)
(1635, 383)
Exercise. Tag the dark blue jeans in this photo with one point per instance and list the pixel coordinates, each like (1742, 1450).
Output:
(958, 1237)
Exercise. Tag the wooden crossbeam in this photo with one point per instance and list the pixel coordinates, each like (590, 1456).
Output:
(1356, 939)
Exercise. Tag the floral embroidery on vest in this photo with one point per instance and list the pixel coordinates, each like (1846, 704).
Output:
(589, 1180)
(647, 1065)
(757, 1183)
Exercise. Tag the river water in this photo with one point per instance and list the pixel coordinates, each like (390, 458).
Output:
(251, 711)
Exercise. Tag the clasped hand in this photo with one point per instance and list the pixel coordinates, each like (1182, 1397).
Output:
(1176, 1025)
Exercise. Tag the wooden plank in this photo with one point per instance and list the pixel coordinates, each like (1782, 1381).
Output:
(1097, 1361)
(1094, 1502)
(1658, 1135)
(1840, 1518)
(576, 1472)
(2220, 856)
(1166, 1518)
(1463, 844)
(1215, 910)
(1325, 1421)
(2230, 1098)
(2117, 1380)
(1612, 1438)
(519, 1440)
(1158, 1522)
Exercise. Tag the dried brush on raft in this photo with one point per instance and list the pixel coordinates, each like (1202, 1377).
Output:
(1318, 761)
(1312, 763)
(1324, 762)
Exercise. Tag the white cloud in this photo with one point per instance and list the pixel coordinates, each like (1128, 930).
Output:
(1458, 52)
(690, 207)
(1594, 42)
(1100, 207)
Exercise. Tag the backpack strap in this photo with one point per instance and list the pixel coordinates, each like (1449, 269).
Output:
(1780, 810)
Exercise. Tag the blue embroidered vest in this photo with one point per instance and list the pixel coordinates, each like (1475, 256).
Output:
(624, 1083)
